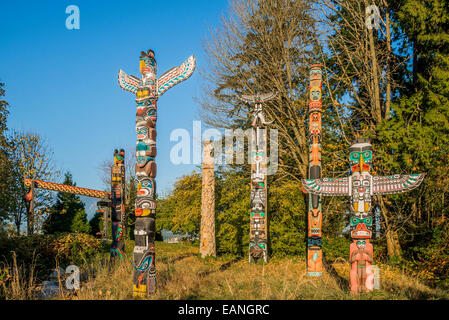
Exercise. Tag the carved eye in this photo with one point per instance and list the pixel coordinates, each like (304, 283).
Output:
(356, 183)
(146, 184)
(365, 183)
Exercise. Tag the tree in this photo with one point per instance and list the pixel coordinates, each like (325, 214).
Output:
(28, 156)
(180, 211)
(266, 45)
(363, 75)
(4, 163)
(96, 223)
(67, 214)
(416, 139)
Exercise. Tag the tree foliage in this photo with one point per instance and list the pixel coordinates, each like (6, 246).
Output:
(67, 214)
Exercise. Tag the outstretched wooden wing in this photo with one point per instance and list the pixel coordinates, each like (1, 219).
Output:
(327, 186)
(267, 96)
(246, 98)
(128, 83)
(176, 75)
(263, 97)
(396, 183)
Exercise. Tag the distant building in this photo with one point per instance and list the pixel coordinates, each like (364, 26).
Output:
(177, 239)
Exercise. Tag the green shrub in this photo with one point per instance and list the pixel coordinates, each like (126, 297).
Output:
(47, 251)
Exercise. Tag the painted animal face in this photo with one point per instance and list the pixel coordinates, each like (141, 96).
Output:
(315, 73)
(361, 244)
(119, 157)
(315, 93)
(145, 188)
(147, 115)
(257, 247)
(314, 242)
(148, 66)
(361, 228)
(360, 157)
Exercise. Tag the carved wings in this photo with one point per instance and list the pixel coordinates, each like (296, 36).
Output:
(327, 186)
(380, 185)
(263, 97)
(396, 183)
(128, 83)
(176, 75)
(267, 96)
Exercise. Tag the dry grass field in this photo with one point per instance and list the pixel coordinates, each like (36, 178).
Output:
(182, 274)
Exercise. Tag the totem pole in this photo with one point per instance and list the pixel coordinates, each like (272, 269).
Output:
(118, 221)
(207, 243)
(361, 186)
(147, 90)
(103, 208)
(258, 226)
(29, 198)
(314, 254)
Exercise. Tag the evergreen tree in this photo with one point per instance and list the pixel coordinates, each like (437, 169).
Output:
(416, 138)
(67, 214)
(96, 223)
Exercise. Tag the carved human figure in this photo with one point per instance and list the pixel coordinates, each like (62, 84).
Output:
(361, 259)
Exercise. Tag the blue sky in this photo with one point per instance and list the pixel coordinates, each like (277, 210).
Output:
(62, 84)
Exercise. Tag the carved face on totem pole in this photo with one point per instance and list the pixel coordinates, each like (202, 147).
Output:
(119, 157)
(146, 95)
(257, 244)
(360, 159)
(148, 65)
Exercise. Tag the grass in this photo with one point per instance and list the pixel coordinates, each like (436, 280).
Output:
(182, 274)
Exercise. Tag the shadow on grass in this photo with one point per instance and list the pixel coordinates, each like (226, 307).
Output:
(179, 258)
(223, 267)
(342, 282)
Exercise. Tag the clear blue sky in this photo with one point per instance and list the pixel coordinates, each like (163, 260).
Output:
(62, 84)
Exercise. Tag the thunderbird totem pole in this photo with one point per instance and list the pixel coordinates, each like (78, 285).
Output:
(147, 90)
(314, 254)
(258, 226)
(361, 186)
(118, 221)
(207, 243)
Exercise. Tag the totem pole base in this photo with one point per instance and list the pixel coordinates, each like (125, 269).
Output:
(145, 290)
(314, 261)
(140, 292)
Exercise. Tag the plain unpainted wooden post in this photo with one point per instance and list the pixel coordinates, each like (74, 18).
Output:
(207, 244)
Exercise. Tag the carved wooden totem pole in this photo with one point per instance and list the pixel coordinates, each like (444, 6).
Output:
(118, 222)
(147, 90)
(258, 227)
(361, 186)
(104, 207)
(207, 243)
(314, 254)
